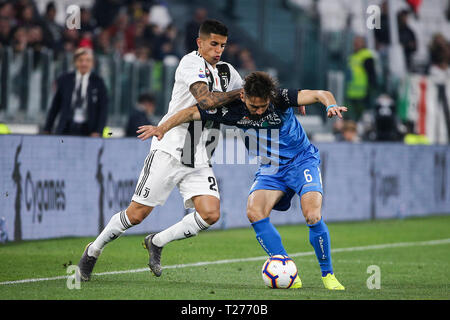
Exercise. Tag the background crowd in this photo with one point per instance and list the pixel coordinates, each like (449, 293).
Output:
(145, 30)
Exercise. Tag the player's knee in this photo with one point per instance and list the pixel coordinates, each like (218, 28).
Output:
(254, 214)
(137, 213)
(312, 216)
(213, 217)
(210, 215)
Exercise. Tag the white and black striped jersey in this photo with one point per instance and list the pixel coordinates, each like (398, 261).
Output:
(188, 142)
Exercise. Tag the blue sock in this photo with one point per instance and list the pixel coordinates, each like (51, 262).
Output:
(319, 237)
(268, 237)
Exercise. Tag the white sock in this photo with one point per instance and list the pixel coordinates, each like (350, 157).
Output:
(188, 227)
(114, 229)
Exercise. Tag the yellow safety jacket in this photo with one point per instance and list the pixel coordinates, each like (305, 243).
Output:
(358, 85)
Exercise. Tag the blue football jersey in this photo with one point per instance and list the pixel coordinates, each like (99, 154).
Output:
(277, 136)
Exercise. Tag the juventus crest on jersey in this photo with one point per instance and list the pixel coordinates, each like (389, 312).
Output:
(188, 141)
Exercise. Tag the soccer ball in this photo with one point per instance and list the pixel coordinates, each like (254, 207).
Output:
(279, 272)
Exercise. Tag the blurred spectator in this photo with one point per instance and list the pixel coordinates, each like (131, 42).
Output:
(338, 124)
(19, 39)
(141, 115)
(138, 31)
(362, 80)
(136, 9)
(7, 11)
(86, 22)
(349, 131)
(86, 41)
(121, 32)
(118, 46)
(102, 43)
(51, 29)
(26, 17)
(165, 45)
(247, 64)
(81, 100)
(406, 37)
(71, 39)
(143, 53)
(439, 74)
(439, 53)
(5, 31)
(36, 43)
(191, 30)
(231, 54)
(159, 16)
(105, 11)
(382, 35)
(386, 123)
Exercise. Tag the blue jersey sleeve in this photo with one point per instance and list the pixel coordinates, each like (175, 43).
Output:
(286, 98)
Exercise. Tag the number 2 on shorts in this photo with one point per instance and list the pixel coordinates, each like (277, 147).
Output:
(212, 180)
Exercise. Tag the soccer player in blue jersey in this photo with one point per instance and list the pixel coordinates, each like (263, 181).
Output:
(295, 160)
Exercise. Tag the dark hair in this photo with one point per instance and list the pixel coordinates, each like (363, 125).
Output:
(50, 6)
(260, 84)
(146, 97)
(213, 26)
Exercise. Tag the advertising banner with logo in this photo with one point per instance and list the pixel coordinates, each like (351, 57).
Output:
(54, 187)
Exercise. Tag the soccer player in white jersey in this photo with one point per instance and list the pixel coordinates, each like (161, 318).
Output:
(180, 159)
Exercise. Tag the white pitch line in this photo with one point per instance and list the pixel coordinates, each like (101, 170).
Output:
(205, 263)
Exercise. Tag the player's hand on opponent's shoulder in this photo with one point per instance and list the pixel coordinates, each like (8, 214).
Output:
(149, 131)
(336, 111)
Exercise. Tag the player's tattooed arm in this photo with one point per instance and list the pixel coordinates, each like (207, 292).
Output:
(182, 116)
(210, 100)
(306, 97)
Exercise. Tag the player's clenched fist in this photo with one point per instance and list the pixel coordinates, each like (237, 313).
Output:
(149, 131)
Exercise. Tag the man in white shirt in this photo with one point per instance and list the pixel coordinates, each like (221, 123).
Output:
(180, 159)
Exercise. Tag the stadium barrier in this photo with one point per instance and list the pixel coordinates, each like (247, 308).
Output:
(54, 186)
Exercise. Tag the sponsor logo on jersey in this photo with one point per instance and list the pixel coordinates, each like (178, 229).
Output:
(272, 119)
(212, 111)
(224, 111)
(201, 75)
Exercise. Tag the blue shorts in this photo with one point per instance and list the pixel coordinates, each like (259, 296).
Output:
(299, 175)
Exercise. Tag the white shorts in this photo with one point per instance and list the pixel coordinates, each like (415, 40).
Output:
(162, 172)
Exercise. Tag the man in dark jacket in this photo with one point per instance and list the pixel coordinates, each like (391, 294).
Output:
(407, 37)
(141, 115)
(81, 100)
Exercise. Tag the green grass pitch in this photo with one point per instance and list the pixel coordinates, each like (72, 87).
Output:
(411, 265)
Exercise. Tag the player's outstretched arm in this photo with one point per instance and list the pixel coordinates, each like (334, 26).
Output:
(210, 100)
(306, 97)
(185, 115)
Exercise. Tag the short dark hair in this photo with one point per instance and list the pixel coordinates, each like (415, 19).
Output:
(260, 84)
(146, 97)
(213, 26)
(50, 6)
